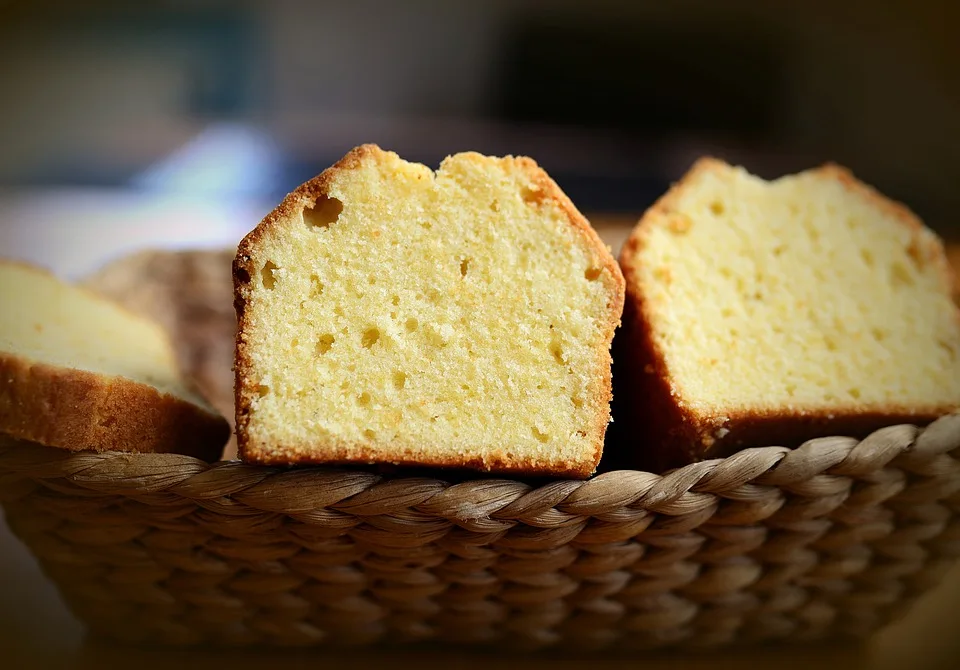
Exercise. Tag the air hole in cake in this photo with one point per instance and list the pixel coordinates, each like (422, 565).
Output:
(717, 208)
(395, 300)
(592, 274)
(370, 337)
(531, 196)
(369, 434)
(854, 393)
(878, 334)
(412, 325)
(372, 279)
(434, 337)
(680, 224)
(426, 225)
(266, 275)
(779, 249)
(294, 343)
(464, 266)
(791, 389)
(316, 286)
(556, 350)
(900, 275)
(495, 206)
(541, 437)
(325, 212)
(263, 390)
(577, 402)
(867, 257)
(915, 255)
(726, 312)
(363, 399)
(399, 380)
(830, 343)
(324, 343)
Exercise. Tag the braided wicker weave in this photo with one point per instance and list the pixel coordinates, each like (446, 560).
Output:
(832, 539)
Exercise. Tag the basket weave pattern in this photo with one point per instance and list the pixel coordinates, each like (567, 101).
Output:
(831, 539)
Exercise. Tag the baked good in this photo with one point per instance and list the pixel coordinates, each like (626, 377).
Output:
(461, 318)
(190, 294)
(762, 313)
(79, 372)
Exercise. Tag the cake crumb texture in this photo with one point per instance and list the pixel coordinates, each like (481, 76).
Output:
(392, 314)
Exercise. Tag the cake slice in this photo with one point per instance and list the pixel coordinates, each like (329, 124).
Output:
(79, 372)
(762, 313)
(391, 314)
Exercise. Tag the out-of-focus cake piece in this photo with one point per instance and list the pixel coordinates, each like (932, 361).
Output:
(766, 313)
(79, 372)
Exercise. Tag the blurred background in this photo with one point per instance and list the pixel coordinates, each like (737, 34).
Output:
(182, 123)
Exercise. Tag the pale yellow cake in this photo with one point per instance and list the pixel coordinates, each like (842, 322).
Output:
(392, 314)
(769, 312)
(79, 372)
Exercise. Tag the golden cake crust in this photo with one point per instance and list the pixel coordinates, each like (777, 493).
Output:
(660, 430)
(79, 410)
(334, 452)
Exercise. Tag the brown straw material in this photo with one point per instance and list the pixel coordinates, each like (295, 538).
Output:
(832, 539)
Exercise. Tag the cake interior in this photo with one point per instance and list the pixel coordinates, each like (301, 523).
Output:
(426, 314)
(798, 294)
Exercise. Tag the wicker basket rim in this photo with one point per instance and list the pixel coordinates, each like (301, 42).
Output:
(745, 475)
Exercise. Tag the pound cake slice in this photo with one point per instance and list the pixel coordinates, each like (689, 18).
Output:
(762, 313)
(79, 372)
(461, 318)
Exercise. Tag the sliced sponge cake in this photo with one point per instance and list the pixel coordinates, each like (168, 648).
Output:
(771, 312)
(79, 372)
(391, 314)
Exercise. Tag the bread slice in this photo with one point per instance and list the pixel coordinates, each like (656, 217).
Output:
(766, 313)
(79, 372)
(461, 318)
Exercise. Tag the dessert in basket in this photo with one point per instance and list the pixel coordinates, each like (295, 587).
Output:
(807, 306)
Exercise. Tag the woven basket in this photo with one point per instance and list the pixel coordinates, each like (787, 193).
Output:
(832, 539)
